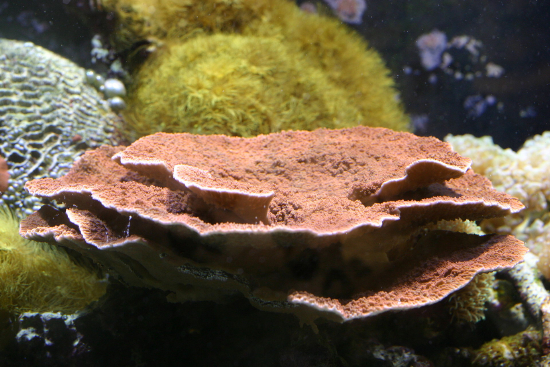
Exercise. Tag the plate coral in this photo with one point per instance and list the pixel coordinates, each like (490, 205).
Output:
(331, 223)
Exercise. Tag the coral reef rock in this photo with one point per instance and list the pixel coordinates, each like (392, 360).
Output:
(522, 349)
(47, 336)
(349, 11)
(331, 223)
(48, 117)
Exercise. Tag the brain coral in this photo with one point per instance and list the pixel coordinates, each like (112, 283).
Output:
(330, 222)
(245, 67)
(48, 117)
(36, 277)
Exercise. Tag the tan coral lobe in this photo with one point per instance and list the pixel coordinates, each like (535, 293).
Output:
(318, 217)
(4, 175)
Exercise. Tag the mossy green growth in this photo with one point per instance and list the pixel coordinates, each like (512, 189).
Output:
(36, 277)
(239, 85)
(243, 67)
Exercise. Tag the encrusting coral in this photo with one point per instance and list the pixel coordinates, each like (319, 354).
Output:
(186, 212)
(37, 277)
(247, 67)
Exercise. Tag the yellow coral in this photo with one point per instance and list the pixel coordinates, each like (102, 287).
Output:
(140, 20)
(523, 174)
(456, 225)
(245, 67)
(489, 157)
(468, 304)
(36, 277)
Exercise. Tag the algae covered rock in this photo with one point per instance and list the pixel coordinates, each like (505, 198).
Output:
(246, 67)
(521, 349)
(48, 117)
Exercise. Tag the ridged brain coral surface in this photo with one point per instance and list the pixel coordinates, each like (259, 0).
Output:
(245, 67)
(48, 117)
(310, 220)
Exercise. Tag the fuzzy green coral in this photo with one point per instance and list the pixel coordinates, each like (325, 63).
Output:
(243, 67)
(36, 277)
(237, 85)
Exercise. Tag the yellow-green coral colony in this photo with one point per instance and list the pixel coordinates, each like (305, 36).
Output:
(468, 304)
(36, 277)
(247, 67)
